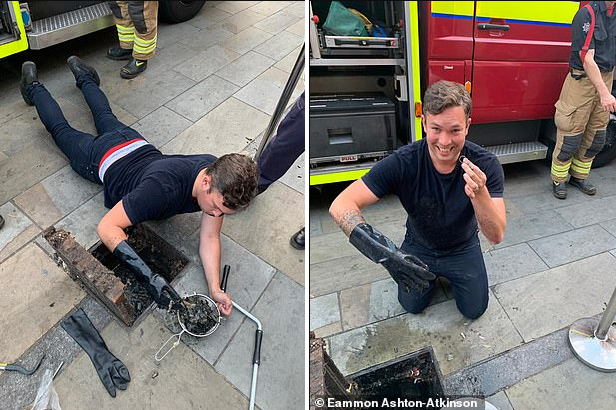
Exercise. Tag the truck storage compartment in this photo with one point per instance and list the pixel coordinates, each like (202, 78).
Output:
(358, 28)
(349, 127)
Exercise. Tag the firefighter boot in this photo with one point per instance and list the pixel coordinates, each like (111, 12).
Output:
(133, 68)
(559, 189)
(78, 68)
(119, 53)
(29, 77)
(298, 241)
(583, 185)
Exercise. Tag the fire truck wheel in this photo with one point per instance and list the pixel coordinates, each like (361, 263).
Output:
(179, 11)
(608, 153)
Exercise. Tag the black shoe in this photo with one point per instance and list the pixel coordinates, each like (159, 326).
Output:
(1, 221)
(119, 53)
(583, 185)
(28, 78)
(134, 68)
(298, 241)
(79, 67)
(559, 189)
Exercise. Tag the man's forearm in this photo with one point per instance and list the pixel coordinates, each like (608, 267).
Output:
(594, 75)
(347, 219)
(210, 258)
(490, 218)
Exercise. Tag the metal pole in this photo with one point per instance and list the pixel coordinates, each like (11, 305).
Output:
(607, 319)
(593, 340)
(298, 68)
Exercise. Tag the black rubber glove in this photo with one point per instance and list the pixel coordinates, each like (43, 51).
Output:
(407, 270)
(161, 291)
(110, 369)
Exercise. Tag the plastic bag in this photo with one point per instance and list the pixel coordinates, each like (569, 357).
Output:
(46, 397)
(342, 22)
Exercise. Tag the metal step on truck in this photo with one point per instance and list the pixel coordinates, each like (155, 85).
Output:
(39, 24)
(366, 88)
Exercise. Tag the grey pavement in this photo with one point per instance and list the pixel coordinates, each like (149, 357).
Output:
(211, 88)
(557, 264)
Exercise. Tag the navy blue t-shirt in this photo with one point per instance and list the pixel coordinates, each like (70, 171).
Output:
(154, 186)
(440, 214)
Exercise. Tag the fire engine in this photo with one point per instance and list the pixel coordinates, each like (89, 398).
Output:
(39, 24)
(366, 90)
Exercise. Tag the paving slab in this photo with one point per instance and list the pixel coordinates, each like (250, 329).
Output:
(246, 68)
(324, 310)
(241, 21)
(217, 57)
(206, 38)
(57, 195)
(500, 401)
(18, 230)
(512, 262)
(264, 91)
(184, 382)
(279, 45)
(533, 226)
(277, 22)
(169, 35)
(270, 7)
(34, 295)
(573, 245)
(343, 273)
(298, 9)
(589, 213)
(227, 128)
(82, 222)
(570, 385)
(209, 16)
(288, 62)
(440, 326)
(146, 97)
(202, 98)
(295, 176)
(283, 344)
(27, 167)
(235, 6)
(298, 28)
(266, 227)
(161, 126)
(535, 303)
(246, 40)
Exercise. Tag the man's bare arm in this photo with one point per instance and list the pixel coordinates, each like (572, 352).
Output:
(346, 208)
(111, 228)
(594, 75)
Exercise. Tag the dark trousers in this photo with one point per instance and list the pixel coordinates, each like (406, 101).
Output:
(465, 270)
(285, 147)
(83, 150)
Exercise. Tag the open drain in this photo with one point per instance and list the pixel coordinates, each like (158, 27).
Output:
(415, 376)
(109, 281)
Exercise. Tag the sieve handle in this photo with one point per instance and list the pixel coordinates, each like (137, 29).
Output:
(173, 346)
(225, 276)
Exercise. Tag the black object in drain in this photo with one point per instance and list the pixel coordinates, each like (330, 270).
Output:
(158, 254)
(414, 376)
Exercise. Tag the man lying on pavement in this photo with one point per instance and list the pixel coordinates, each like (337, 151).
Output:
(140, 183)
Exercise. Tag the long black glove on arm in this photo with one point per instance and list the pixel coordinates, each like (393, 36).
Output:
(161, 291)
(110, 369)
(406, 269)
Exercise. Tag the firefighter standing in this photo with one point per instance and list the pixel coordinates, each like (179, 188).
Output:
(582, 110)
(136, 22)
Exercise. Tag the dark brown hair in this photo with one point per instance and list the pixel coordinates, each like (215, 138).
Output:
(235, 177)
(446, 94)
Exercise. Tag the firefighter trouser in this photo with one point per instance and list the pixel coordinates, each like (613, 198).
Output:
(136, 22)
(580, 122)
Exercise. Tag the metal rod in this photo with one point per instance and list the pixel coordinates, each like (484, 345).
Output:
(607, 319)
(298, 68)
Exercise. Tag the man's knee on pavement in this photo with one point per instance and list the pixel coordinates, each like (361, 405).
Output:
(569, 147)
(412, 302)
(473, 311)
